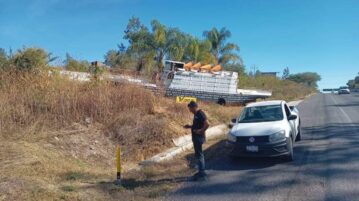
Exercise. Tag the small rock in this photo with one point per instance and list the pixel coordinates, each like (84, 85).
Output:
(96, 141)
(88, 120)
(48, 145)
(91, 148)
(56, 138)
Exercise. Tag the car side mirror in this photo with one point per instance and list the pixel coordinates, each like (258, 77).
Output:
(291, 107)
(231, 124)
(292, 117)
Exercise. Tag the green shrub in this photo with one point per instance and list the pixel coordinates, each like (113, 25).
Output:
(72, 64)
(30, 59)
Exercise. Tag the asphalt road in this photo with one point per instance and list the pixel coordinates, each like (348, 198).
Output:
(326, 165)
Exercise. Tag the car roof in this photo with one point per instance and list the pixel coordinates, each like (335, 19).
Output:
(265, 103)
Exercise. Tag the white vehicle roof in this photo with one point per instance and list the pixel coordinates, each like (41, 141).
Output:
(265, 103)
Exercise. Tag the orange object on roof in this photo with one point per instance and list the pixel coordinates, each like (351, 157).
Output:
(206, 67)
(196, 66)
(188, 66)
(216, 68)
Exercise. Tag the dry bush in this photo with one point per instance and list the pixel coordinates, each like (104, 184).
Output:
(31, 102)
(281, 89)
(140, 135)
(218, 114)
(31, 106)
(34, 105)
(173, 110)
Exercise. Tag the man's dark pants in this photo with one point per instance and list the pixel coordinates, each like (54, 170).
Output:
(197, 144)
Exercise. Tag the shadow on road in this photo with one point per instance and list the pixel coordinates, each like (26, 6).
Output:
(354, 104)
(321, 147)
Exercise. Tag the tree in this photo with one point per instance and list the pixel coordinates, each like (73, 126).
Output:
(253, 71)
(236, 67)
(198, 51)
(169, 43)
(75, 65)
(177, 44)
(140, 41)
(118, 58)
(112, 58)
(356, 80)
(351, 84)
(155, 45)
(149, 47)
(309, 79)
(223, 52)
(31, 59)
(286, 73)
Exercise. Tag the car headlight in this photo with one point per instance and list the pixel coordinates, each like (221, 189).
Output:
(277, 136)
(231, 137)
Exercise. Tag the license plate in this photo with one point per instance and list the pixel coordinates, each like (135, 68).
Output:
(252, 148)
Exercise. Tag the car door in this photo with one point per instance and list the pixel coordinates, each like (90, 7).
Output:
(292, 123)
(294, 110)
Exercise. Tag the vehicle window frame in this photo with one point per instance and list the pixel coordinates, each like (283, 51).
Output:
(244, 111)
(287, 111)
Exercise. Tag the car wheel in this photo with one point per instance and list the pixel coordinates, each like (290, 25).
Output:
(290, 156)
(299, 135)
(221, 101)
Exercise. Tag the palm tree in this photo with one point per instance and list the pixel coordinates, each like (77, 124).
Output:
(199, 51)
(168, 42)
(223, 52)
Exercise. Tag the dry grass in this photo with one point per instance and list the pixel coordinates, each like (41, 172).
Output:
(58, 138)
(34, 102)
(281, 89)
(218, 114)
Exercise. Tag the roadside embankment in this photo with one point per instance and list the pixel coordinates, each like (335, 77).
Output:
(184, 143)
(58, 136)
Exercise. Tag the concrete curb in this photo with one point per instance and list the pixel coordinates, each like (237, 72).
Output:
(184, 143)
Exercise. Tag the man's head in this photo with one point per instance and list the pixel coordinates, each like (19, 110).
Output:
(193, 107)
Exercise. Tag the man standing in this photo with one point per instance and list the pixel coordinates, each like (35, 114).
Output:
(198, 128)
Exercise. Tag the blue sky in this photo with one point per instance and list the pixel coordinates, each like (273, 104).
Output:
(305, 35)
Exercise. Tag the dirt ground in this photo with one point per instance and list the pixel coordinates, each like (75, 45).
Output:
(64, 167)
(58, 139)
(78, 162)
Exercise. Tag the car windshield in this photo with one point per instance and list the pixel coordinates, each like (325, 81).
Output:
(261, 114)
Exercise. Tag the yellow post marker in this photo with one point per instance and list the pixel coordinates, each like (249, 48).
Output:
(118, 162)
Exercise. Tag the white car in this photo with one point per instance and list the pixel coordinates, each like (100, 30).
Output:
(343, 91)
(265, 129)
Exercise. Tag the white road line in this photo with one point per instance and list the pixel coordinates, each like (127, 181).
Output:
(341, 109)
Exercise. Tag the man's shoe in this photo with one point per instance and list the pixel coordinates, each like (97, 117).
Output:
(194, 177)
(199, 176)
(202, 177)
(202, 174)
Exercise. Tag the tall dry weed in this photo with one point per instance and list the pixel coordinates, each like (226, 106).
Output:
(36, 102)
